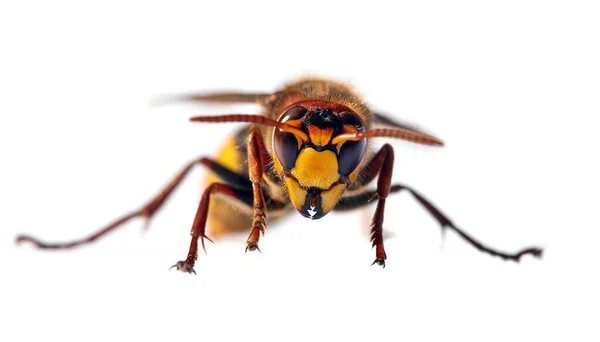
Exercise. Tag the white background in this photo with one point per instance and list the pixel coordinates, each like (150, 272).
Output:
(511, 87)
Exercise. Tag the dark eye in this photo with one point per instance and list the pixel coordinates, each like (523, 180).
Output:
(351, 152)
(286, 147)
(350, 156)
(286, 144)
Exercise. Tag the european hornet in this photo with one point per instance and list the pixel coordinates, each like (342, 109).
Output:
(308, 151)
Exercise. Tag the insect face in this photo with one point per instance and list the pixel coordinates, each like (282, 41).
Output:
(316, 169)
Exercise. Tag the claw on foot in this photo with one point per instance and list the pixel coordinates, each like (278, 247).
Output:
(536, 252)
(184, 266)
(252, 246)
(379, 262)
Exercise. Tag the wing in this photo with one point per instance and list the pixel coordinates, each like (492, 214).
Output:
(217, 97)
(383, 120)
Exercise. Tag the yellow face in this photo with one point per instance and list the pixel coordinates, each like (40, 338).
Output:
(313, 185)
(316, 169)
(316, 173)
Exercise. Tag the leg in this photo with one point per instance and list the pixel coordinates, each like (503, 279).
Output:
(257, 161)
(199, 225)
(362, 199)
(382, 164)
(149, 209)
(256, 166)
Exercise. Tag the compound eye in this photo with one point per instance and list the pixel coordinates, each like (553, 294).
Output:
(286, 144)
(350, 155)
(286, 148)
(351, 152)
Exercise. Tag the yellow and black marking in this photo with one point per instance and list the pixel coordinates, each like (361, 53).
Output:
(316, 172)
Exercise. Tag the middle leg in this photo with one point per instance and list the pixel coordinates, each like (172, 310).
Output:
(199, 226)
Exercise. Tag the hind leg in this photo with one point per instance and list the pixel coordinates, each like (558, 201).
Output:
(148, 210)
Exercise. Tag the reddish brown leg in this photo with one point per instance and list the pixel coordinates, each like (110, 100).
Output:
(199, 225)
(257, 161)
(383, 164)
(366, 197)
(148, 210)
(445, 222)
